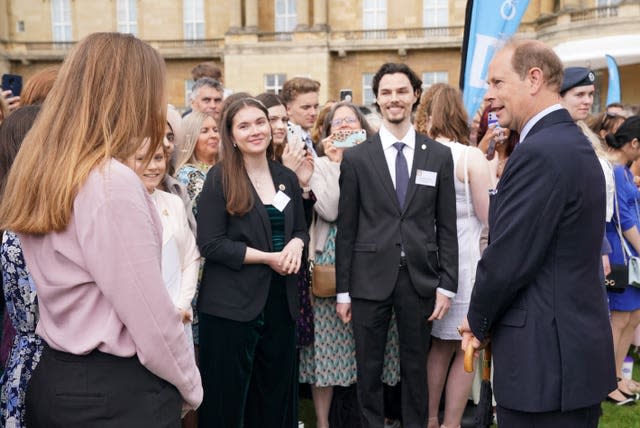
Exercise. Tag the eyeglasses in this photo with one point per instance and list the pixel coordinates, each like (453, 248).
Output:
(347, 120)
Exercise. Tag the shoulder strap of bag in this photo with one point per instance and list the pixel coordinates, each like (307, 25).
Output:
(467, 197)
(467, 191)
(623, 242)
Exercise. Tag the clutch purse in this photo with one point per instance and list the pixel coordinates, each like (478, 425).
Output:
(618, 278)
(323, 280)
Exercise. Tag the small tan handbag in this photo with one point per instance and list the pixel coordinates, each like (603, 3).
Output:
(323, 280)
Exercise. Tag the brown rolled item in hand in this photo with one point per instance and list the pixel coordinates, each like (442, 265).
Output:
(468, 359)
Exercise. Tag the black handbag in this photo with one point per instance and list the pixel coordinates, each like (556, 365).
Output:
(618, 279)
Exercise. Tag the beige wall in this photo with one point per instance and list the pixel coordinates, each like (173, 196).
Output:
(266, 15)
(403, 14)
(26, 71)
(153, 23)
(36, 15)
(245, 71)
(218, 15)
(345, 15)
(4, 20)
(92, 16)
(346, 72)
(245, 61)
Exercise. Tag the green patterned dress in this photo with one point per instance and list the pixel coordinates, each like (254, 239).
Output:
(331, 359)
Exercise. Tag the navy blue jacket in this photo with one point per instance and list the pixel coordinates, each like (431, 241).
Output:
(537, 293)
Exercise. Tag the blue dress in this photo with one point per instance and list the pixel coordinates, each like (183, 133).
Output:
(628, 200)
(22, 307)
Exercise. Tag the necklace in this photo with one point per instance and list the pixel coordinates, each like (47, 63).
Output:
(202, 166)
(256, 179)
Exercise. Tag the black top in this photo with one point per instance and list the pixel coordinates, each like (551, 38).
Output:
(229, 288)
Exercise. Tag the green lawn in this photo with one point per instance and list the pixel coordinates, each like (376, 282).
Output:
(307, 414)
(621, 416)
(613, 416)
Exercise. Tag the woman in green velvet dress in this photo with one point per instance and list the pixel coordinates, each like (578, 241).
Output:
(251, 232)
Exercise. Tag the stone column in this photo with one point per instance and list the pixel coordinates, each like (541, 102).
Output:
(320, 15)
(571, 4)
(251, 15)
(235, 17)
(302, 12)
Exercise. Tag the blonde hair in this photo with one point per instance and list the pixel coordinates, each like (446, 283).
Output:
(191, 126)
(109, 95)
(595, 141)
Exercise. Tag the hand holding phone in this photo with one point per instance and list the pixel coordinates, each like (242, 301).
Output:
(492, 124)
(294, 136)
(13, 83)
(346, 95)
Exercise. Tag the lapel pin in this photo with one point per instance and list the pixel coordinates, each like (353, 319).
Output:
(281, 187)
(423, 147)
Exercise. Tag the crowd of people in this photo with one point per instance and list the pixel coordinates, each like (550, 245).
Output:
(164, 269)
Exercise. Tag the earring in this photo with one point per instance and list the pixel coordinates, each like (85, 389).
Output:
(235, 145)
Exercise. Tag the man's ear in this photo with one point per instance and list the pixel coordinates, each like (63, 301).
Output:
(536, 79)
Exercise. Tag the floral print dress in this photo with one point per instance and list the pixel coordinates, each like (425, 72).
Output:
(331, 359)
(22, 307)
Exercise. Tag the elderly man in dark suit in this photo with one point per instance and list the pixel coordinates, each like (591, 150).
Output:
(537, 295)
(396, 245)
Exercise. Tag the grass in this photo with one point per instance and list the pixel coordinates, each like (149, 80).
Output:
(613, 416)
(621, 416)
(307, 414)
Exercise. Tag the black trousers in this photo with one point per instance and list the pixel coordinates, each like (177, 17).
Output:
(586, 417)
(98, 390)
(370, 326)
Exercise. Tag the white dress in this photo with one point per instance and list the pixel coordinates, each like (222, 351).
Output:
(469, 230)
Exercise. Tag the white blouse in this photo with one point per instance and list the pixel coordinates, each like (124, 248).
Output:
(180, 256)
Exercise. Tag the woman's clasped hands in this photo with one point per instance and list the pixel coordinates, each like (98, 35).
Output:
(288, 261)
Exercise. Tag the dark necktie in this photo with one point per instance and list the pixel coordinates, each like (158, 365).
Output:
(402, 174)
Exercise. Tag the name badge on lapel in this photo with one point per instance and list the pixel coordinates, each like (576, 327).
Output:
(280, 200)
(426, 178)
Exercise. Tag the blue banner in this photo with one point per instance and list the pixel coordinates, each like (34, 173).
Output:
(613, 94)
(489, 25)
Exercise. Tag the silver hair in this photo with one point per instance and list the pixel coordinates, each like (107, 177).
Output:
(202, 82)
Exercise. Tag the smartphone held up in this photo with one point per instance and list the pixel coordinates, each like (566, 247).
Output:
(13, 83)
(346, 95)
(348, 138)
(295, 136)
(492, 123)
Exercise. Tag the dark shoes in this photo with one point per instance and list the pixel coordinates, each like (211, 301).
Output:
(629, 399)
